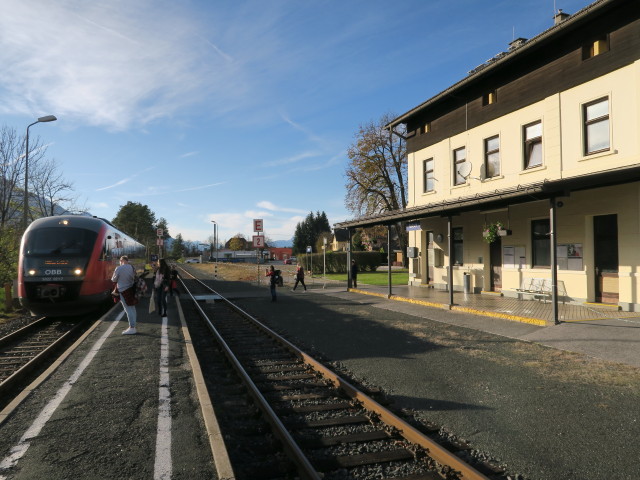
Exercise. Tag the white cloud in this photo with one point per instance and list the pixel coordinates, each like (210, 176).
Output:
(270, 206)
(113, 64)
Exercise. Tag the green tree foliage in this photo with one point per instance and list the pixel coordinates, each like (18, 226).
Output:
(138, 221)
(309, 230)
(377, 172)
(9, 248)
(177, 248)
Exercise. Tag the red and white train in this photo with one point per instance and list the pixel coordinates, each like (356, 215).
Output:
(66, 264)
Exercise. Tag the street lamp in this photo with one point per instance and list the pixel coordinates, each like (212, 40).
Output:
(215, 238)
(48, 118)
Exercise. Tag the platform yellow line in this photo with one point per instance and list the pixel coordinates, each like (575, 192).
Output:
(444, 306)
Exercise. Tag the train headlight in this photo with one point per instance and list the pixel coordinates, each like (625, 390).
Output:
(77, 271)
(31, 272)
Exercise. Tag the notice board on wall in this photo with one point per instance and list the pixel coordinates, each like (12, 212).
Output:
(514, 256)
(569, 256)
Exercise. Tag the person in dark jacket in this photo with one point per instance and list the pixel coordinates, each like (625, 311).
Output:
(354, 273)
(299, 278)
(271, 272)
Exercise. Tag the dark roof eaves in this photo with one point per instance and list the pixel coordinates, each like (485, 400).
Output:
(535, 41)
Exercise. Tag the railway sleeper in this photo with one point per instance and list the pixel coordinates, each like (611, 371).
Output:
(278, 387)
(349, 461)
(326, 422)
(327, 407)
(306, 441)
(280, 369)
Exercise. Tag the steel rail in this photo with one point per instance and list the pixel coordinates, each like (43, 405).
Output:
(306, 470)
(436, 451)
(10, 382)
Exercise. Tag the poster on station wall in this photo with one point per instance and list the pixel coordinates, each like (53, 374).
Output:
(569, 256)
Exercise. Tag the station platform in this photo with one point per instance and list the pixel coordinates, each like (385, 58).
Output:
(117, 406)
(599, 331)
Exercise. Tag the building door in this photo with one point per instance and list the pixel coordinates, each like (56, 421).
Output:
(495, 260)
(605, 243)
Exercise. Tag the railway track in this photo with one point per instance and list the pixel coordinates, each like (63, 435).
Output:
(285, 415)
(26, 351)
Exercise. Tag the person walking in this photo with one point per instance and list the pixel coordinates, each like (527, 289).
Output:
(124, 277)
(271, 272)
(161, 283)
(354, 273)
(299, 278)
(173, 284)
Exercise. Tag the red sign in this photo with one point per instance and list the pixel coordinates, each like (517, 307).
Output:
(257, 225)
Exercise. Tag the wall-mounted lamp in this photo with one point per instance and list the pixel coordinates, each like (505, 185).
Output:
(439, 238)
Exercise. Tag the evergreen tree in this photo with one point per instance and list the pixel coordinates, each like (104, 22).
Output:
(309, 231)
(178, 248)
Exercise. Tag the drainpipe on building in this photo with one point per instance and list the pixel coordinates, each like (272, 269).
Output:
(450, 279)
(554, 260)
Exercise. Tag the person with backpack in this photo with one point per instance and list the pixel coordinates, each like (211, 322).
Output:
(161, 284)
(124, 276)
(299, 278)
(274, 274)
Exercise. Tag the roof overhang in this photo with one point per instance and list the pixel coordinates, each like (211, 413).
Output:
(545, 189)
(529, 47)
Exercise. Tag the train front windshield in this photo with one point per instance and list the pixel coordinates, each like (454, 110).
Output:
(69, 242)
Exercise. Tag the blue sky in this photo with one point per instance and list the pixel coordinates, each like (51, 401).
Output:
(233, 110)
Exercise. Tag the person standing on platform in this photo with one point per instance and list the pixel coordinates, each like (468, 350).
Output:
(124, 278)
(354, 273)
(271, 272)
(299, 278)
(161, 283)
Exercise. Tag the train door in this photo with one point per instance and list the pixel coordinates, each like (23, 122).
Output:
(605, 244)
(495, 262)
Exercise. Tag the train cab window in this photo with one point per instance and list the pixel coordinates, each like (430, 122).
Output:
(56, 241)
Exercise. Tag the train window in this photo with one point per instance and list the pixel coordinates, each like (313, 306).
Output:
(60, 241)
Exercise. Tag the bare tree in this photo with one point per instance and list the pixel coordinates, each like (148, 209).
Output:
(12, 169)
(48, 188)
(377, 172)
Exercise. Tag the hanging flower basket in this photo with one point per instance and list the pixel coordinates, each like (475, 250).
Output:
(492, 231)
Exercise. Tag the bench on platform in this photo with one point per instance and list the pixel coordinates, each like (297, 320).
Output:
(540, 288)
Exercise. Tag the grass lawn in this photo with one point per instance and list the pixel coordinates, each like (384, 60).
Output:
(398, 277)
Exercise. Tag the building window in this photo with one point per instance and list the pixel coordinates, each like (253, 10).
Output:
(492, 156)
(596, 126)
(596, 47)
(532, 145)
(459, 158)
(490, 98)
(426, 128)
(457, 246)
(541, 243)
(429, 180)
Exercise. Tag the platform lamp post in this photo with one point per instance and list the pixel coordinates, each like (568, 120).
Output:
(48, 118)
(215, 247)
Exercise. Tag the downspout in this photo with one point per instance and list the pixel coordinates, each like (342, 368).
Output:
(554, 260)
(450, 279)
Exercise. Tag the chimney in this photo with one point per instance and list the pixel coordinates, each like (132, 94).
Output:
(560, 17)
(517, 43)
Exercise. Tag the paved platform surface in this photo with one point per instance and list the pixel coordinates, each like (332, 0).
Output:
(119, 406)
(596, 330)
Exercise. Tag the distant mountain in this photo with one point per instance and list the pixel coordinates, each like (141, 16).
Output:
(282, 243)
